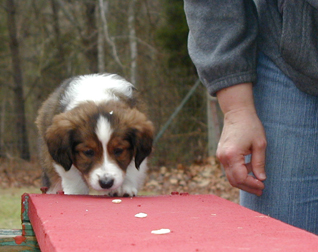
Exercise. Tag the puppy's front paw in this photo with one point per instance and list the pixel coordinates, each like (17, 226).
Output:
(124, 191)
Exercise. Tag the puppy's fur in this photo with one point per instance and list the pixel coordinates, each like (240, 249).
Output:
(93, 134)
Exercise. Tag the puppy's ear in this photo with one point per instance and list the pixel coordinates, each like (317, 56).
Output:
(58, 138)
(143, 142)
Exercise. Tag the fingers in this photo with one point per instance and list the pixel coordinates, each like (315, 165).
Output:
(238, 176)
(253, 186)
(238, 172)
(258, 160)
(243, 134)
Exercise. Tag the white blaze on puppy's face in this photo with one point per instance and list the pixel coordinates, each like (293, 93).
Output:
(106, 176)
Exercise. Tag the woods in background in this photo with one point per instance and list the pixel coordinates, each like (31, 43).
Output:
(45, 41)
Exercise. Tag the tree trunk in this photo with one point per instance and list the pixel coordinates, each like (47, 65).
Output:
(100, 46)
(132, 42)
(91, 36)
(59, 44)
(2, 120)
(103, 10)
(21, 131)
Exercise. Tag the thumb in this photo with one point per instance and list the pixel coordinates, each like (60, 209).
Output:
(258, 161)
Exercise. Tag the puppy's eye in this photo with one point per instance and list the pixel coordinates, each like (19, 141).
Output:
(89, 153)
(118, 151)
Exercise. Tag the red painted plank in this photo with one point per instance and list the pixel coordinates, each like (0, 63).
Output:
(197, 223)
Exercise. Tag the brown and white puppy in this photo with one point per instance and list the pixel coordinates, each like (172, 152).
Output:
(93, 134)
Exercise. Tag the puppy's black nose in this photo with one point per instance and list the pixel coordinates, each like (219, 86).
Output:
(106, 183)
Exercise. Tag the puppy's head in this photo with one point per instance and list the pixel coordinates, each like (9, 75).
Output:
(100, 141)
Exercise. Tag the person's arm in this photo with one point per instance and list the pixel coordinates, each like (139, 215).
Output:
(242, 134)
(222, 41)
(222, 45)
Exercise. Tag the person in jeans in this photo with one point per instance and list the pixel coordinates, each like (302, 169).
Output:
(260, 58)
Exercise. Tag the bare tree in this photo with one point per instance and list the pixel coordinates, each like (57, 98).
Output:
(103, 11)
(91, 36)
(100, 45)
(2, 126)
(58, 40)
(132, 41)
(21, 131)
(87, 32)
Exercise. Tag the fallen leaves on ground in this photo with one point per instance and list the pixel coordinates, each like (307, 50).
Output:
(16, 173)
(204, 178)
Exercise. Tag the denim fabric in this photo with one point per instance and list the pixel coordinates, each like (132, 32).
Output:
(290, 118)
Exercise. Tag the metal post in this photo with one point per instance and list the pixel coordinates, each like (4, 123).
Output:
(213, 125)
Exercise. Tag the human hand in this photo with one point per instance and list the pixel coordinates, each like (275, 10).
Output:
(242, 134)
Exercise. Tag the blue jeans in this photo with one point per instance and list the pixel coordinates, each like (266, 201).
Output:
(290, 118)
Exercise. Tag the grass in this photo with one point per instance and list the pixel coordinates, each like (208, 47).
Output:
(10, 206)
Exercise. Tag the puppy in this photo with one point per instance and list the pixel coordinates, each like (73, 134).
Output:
(93, 134)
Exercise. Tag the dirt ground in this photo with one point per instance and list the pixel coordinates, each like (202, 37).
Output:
(198, 178)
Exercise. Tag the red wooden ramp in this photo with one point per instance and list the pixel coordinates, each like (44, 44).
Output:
(197, 223)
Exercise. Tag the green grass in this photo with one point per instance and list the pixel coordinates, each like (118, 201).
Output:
(10, 206)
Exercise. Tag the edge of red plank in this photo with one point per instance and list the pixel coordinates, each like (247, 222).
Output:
(197, 223)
